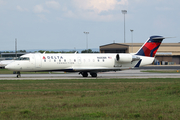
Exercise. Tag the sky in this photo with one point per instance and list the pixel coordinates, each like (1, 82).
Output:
(60, 24)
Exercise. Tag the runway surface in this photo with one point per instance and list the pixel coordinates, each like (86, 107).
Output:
(107, 75)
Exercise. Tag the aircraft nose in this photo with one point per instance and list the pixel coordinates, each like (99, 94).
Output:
(9, 67)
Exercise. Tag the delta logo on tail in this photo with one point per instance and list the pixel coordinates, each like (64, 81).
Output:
(150, 48)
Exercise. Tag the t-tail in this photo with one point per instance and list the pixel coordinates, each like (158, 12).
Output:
(150, 47)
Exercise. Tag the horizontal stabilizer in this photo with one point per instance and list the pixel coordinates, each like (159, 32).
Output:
(157, 38)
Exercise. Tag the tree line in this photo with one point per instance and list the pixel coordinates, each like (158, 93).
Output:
(42, 51)
(72, 51)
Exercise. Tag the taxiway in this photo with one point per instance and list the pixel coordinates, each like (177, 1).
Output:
(104, 75)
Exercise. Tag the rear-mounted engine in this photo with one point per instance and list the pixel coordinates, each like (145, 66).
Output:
(124, 58)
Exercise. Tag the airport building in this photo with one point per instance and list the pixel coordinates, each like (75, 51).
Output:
(8, 56)
(168, 53)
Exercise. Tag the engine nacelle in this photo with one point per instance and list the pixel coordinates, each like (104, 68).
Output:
(124, 58)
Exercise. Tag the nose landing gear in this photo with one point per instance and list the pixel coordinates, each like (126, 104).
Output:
(18, 74)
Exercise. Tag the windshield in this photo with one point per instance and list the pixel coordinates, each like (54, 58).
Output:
(23, 58)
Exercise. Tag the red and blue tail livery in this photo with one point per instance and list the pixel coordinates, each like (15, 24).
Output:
(150, 47)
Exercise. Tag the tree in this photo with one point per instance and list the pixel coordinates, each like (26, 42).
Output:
(41, 51)
(89, 51)
(22, 51)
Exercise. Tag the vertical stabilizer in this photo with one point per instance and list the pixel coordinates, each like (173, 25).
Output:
(151, 46)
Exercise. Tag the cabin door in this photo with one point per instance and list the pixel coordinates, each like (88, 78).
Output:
(79, 60)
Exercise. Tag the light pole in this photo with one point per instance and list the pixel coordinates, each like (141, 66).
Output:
(132, 39)
(16, 47)
(124, 12)
(86, 39)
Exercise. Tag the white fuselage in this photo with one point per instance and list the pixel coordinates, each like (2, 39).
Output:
(77, 62)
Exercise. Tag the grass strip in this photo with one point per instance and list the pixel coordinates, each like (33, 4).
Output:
(162, 71)
(90, 99)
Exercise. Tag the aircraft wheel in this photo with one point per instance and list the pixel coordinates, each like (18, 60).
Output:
(18, 74)
(85, 74)
(93, 74)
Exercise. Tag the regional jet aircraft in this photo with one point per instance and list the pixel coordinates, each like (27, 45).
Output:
(89, 63)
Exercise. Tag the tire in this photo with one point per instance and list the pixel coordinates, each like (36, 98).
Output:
(93, 74)
(85, 74)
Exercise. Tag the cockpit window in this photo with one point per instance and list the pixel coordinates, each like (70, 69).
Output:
(23, 58)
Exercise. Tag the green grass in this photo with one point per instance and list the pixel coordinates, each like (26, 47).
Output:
(89, 99)
(162, 71)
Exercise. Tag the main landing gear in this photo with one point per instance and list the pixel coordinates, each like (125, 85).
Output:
(93, 74)
(85, 74)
